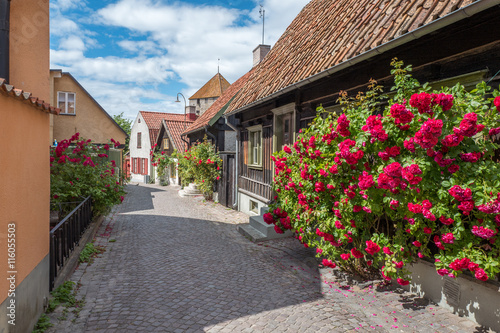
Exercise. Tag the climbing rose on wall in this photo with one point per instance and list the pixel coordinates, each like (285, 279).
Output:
(378, 188)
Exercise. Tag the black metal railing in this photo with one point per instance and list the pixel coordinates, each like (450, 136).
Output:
(66, 235)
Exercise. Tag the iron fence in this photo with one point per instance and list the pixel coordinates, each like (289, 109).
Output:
(66, 235)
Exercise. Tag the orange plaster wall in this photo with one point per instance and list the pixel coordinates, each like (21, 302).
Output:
(30, 47)
(25, 189)
(89, 120)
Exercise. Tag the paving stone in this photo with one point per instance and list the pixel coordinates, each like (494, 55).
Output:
(180, 265)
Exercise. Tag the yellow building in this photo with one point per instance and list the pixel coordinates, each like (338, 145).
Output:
(80, 112)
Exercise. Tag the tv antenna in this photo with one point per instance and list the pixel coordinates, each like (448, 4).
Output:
(262, 13)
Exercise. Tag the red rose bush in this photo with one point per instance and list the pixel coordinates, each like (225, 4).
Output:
(79, 168)
(378, 187)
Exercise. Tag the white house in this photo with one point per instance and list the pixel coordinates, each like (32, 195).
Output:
(143, 137)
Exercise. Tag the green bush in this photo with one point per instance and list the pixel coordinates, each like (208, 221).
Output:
(201, 165)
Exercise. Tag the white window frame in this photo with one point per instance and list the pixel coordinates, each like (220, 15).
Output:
(254, 153)
(66, 102)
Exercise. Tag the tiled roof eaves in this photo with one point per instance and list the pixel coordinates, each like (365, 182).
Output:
(221, 112)
(93, 99)
(24, 96)
(175, 133)
(247, 101)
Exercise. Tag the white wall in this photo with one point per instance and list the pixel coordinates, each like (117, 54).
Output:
(244, 204)
(143, 152)
(465, 295)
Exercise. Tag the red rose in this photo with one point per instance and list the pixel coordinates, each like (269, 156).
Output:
(403, 282)
(372, 247)
(345, 256)
(356, 254)
(480, 274)
(496, 102)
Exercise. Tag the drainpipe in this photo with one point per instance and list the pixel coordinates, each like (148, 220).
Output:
(211, 135)
(235, 189)
(4, 38)
(187, 143)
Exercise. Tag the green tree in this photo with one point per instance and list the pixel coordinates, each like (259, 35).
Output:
(126, 125)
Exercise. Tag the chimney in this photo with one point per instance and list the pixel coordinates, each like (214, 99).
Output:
(259, 53)
(4, 38)
(191, 113)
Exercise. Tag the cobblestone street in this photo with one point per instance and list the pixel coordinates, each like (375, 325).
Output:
(176, 264)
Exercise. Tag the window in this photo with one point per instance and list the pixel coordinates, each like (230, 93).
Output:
(166, 144)
(254, 207)
(283, 126)
(255, 146)
(66, 102)
(139, 140)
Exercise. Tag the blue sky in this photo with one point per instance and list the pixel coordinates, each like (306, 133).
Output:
(136, 55)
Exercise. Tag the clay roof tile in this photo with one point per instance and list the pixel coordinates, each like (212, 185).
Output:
(327, 33)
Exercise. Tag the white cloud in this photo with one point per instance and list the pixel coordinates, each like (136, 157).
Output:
(72, 43)
(167, 41)
(142, 47)
(64, 5)
(127, 98)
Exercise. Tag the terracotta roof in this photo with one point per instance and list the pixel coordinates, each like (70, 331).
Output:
(24, 96)
(327, 34)
(213, 88)
(153, 121)
(213, 110)
(175, 128)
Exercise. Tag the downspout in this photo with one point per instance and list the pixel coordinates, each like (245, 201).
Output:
(235, 189)
(211, 135)
(187, 143)
(4, 38)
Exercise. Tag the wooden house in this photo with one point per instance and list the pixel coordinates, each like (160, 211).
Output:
(334, 46)
(340, 45)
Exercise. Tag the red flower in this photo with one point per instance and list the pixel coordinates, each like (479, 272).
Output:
(387, 251)
(496, 102)
(328, 263)
(372, 247)
(480, 274)
(345, 256)
(427, 230)
(448, 238)
(417, 243)
(422, 102)
(403, 282)
(356, 254)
